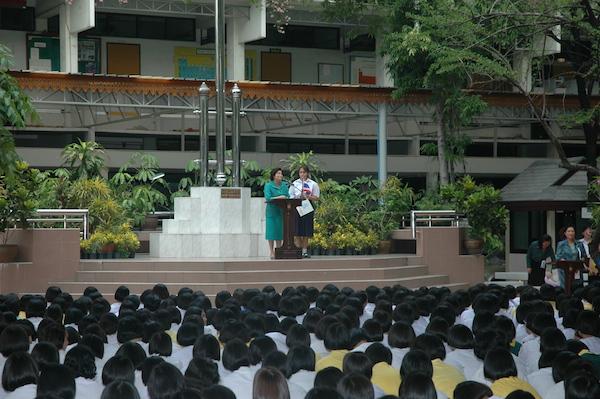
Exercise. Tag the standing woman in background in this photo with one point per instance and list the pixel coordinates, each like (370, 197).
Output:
(275, 189)
(567, 249)
(306, 189)
(538, 251)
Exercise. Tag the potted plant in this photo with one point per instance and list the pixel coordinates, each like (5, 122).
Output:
(17, 204)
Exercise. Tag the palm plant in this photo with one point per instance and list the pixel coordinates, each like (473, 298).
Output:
(85, 159)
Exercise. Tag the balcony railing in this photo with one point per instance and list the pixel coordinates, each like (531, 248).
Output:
(432, 218)
(62, 218)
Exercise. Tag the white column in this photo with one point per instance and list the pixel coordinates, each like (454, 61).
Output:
(383, 77)
(235, 51)
(68, 42)
(382, 144)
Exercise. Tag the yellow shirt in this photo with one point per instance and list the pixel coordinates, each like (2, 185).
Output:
(335, 359)
(504, 386)
(386, 377)
(446, 377)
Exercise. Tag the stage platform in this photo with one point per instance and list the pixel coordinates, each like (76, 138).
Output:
(214, 275)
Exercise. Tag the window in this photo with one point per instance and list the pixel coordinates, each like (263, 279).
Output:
(147, 142)
(46, 139)
(180, 29)
(480, 150)
(522, 150)
(525, 227)
(292, 145)
(398, 147)
(362, 147)
(141, 26)
(301, 36)
(22, 19)
(150, 27)
(363, 42)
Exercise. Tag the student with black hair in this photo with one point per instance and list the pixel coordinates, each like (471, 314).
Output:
(146, 369)
(80, 360)
(259, 348)
(337, 342)
(20, 376)
(300, 365)
(118, 368)
(400, 338)
(582, 385)
(56, 381)
(519, 394)
(417, 386)
(201, 373)
(44, 354)
(297, 336)
(551, 344)
(328, 378)
(384, 375)
(588, 330)
(236, 361)
(120, 389)
(472, 390)
(529, 354)
(160, 344)
(13, 339)
(500, 369)
(323, 393)
(355, 386)
(165, 381)
(462, 356)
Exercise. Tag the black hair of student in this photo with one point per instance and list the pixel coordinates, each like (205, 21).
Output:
(537, 323)
(259, 348)
(417, 386)
(97, 330)
(201, 373)
(416, 361)
(148, 365)
(121, 293)
(575, 346)
(384, 318)
(432, 345)
(401, 335)
(94, 343)
(129, 328)
(358, 362)
(483, 321)
(235, 355)
(323, 393)
(560, 365)
(53, 333)
(506, 325)
(44, 354)
(552, 340)
(73, 315)
(277, 360)
(297, 336)
(161, 290)
(588, 323)
(165, 381)
(337, 336)
(274, 172)
(373, 331)
(233, 329)
(120, 389)
(52, 292)
(487, 340)
(55, 313)
(56, 381)
(355, 386)
(300, 358)
(160, 344)
(13, 339)
(20, 369)
(134, 352)
(438, 327)
(118, 368)
(27, 326)
(36, 307)
(520, 394)
(80, 359)
(286, 323)
(499, 363)
(218, 392)
(328, 378)
(207, 346)
(377, 353)
(582, 385)
(311, 319)
(460, 337)
(472, 390)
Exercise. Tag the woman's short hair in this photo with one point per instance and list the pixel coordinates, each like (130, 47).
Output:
(373, 331)
(134, 352)
(297, 336)
(588, 323)
(165, 381)
(582, 385)
(274, 172)
(499, 363)
(118, 368)
(120, 389)
(472, 390)
(44, 354)
(129, 328)
(432, 345)
(260, 347)
(56, 381)
(207, 346)
(201, 373)
(337, 336)
(121, 293)
(160, 344)
(401, 335)
(13, 339)
(80, 359)
(328, 378)
(378, 353)
(417, 386)
(460, 337)
(148, 365)
(218, 392)
(188, 333)
(552, 340)
(416, 361)
(235, 355)
(270, 383)
(355, 386)
(323, 393)
(358, 362)
(95, 343)
(19, 370)
(300, 358)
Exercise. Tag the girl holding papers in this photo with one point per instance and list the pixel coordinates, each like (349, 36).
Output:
(308, 190)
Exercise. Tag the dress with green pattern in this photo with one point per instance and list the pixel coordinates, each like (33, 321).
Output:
(274, 214)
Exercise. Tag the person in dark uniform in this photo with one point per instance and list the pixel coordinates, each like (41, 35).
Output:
(538, 251)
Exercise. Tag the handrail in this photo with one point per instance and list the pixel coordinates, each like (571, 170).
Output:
(445, 215)
(65, 216)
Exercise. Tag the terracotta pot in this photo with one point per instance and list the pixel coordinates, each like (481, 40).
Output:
(108, 248)
(150, 223)
(384, 247)
(8, 253)
(473, 246)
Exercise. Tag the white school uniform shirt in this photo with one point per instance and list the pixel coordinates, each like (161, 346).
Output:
(557, 391)
(240, 382)
(115, 307)
(318, 346)
(541, 380)
(479, 375)
(279, 340)
(529, 354)
(464, 360)
(28, 391)
(304, 379)
(181, 356)
(296, 188)
(397, 356)
(420, 325)
(88, 389)
(593, 344)
(362, 347)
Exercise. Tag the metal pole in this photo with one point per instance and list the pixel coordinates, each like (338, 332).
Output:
(220, 86)
(204, 92)
(382, 144)
(235, 137)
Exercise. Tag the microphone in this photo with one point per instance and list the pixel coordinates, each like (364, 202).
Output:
(293, 185)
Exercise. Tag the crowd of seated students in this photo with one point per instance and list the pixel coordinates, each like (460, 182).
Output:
(390, 342)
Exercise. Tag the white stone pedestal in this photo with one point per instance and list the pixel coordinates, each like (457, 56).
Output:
(213, 222)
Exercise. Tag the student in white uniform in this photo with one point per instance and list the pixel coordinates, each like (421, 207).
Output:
(120, 390)
(56, 381)
(588, 328)
(306, 189)
(80, 360)
(20, 376)
(301, 367)
(236, 359)
(166, 381)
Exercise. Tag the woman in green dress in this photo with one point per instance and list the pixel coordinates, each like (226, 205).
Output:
(275, 189)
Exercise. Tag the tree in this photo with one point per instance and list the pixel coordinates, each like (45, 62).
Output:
(15, 110)
(85, 159)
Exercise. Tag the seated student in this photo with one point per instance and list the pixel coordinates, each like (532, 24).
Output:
(118, 368)
(355, 386)
(323, 393)
(120, 389)
(328, 378)
(384, 375)
(472, 390)
(500, 368)
(529, 355)
(96, 345)
(201, 373)
(12, 339)
(120, 294)
(56, 381)
(445, 377)
(300, 365)
(417, 386)
(165, 382)
(418, 362)
(20, 376)
(270, 383)
(551, 344)
(44, 354)
(462, 356)
(372, 332)
(80, 360)
(160, 344)
(35, 310)
(520, 394)
(506, 325)
(236, 359)
(568, 310)
(337, 342)
(562, 368)
(400, 339)
(582, 385)
(588, 329)
(358, 362)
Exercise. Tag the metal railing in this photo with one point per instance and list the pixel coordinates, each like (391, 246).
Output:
(433, 218)
(63, 216)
